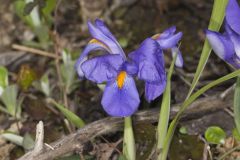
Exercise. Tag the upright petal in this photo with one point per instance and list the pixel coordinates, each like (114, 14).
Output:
(179, 59)
(154, 90)
(100, 35)
(233, 15)
(235, 38)
(121, 102)
(100, 24)
(102, 68)
(92, 45)
(221, 44)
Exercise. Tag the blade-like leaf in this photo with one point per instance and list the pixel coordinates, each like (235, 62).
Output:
(165, 109)
(9, 98)
(73, 118)
(14, 138)
(236, 105)
(215, 23)
(3, 77)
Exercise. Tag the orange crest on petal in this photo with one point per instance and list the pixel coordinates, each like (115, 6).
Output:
(121, 78)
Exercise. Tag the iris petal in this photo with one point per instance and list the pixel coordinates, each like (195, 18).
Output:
(100, 24)
(102, 68)
(170, 41)
(83, 57)
(98, 34)
(168, 32)
(233, 15)
(153, 90)
(150, 61)
(235, 38)
(179, 59)
(221, 44)
(121, 102)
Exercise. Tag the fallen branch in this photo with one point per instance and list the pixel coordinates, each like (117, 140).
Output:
(75, 142)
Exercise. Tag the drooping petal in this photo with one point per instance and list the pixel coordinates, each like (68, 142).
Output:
(221, 44)
(170, 41)
(179, 59)
(92, 45)
(235, 38)
(102, 68)
(233, 15)
(98, 34)
(121, 102)
(148, 71)
(150, 61)
(154, 90)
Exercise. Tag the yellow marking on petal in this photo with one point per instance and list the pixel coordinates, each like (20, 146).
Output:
(97, 42)
(156, 36)
(121, 78)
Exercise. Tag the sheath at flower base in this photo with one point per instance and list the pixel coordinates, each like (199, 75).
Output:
(120, 97)
(227, 45)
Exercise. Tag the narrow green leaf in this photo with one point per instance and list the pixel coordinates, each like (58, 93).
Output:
(236, 105)
(165, 109)
(14, 138)
(3, 77)
(73, 118)
(9, 98)
(215, 23)
(186, 103)
(236, 134)
(215, 135)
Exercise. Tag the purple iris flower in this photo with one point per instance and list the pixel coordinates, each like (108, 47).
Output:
(169, 40)
(150, 61)
(227, 45)
(120, 97)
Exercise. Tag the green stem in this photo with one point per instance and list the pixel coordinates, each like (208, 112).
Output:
(129, 150)
(165, 111)
(186, 103)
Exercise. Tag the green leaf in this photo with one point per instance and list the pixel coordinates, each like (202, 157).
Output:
(9, 98)
(236, 134)
(28, 142)
(73, 118)
(67, 71)
(215, 135)
(45, 86)
(3, 77)
(14, 138)
(215, 23)
(165, 109)
(236, 105)
(183, 130)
